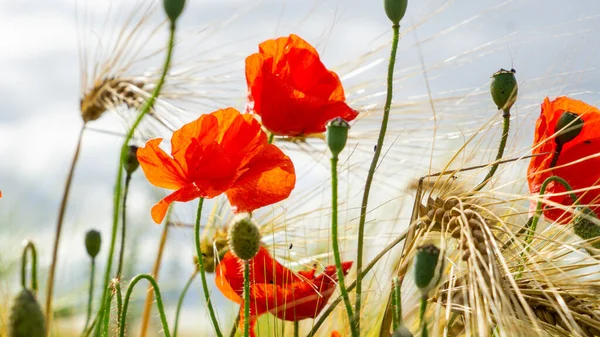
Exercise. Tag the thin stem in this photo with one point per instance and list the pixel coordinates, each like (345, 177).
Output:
(90, 294)
(105, 322)
(180, 301)
(422, 310)
(371, 174)
(397, 303)
(116, 288)
(271, 138)
(246, 298)
(29, 247)
(235, 325)
(211, 311)
(159, 304)
(367, 269)
(117, 193)
(296, 328)
(556, 154)
(336, 249)
(59, 223)
(503, 139)
(124, 224)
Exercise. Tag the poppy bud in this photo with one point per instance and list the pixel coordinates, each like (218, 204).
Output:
(208, 253)
(569, 125)
(504, 89)
(427, 271)
(173, 8)
(130, 161)
(244, 237)
(395, 9)
(402, 331)
(585, 224)
(337, 134)
(93, 240)
(26, 317)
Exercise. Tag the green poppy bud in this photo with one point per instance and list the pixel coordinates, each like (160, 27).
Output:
(402, 331)
(585, 224)
(244, 237)
(130, 161)
(26, 317)
(337, 134)
(395, 9)
(504, 89)
(93, 240)
(427, 268)
(568, 127)
(173, 8)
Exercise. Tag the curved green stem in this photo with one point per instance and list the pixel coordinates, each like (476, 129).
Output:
(29, 247)
(211, 311)
(503, 139)
(371, 174)
(117, 193)
(246, 298)
(159, 304)
(336, 249)
(180, 301)
(90, 295)
(124, 225)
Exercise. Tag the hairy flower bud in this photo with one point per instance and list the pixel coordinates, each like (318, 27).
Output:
(337, 134)
(244, 237)
(26, 317)
(395, 9)
(402, 331)
(173, 8)
(585, 224)
(93, 240)
(568, 127)
(427, 268)
(504, 89)
(130, 161)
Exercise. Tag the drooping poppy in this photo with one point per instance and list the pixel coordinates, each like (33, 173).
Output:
(276, 289)
(291, 90)
(221, 152)
(579, 175)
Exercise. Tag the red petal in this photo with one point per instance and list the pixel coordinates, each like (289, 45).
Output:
(203, 130)
(160, 169)
(187, 193)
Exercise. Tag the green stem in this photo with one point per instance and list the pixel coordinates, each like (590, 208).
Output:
(90, 295)
(371, 174)
(211, 311)
(180, 301)
(105, 322)
(296, 328)
(271, 138)
(397, 303)
(59, 223)
(235, 325)
(556, 154)
(159, 304)
(246, 298)
(367, 269)
(116, 288)
(29, 247)
(422, 310)
(124, 225)
(336, 249)
(503, 139)
(538, 212)
(117, 193)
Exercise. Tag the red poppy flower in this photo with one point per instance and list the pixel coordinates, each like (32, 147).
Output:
(291, 90)
(274, 288)
(580, 175)
(221, 152)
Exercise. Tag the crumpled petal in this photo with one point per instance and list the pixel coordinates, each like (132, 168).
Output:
(187, 193)
(160, 169)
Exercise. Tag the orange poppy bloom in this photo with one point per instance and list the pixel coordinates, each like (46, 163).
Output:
(335, 333)
(291, 90)
(579, 175)
(276, 289)
(221, 152)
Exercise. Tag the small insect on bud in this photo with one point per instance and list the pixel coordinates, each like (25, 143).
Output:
(427, 268)
(93, 240)
(504, 89)
(585, 224)
(26, 317)
(395, 9)
(244, 237)
(173, 8)
(568, 127)
(402, 331)
(130, 161)
(337, 134)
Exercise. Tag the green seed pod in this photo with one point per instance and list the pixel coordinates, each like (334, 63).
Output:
(93, 240)
(337, 134)
(568, 127)
(402, 331)
(244, 237)
(504, 89)
(585, 224)
(395, 9)
(427, 270)
(208, 253)
(26, 317)
(173, 8)
(130, 161)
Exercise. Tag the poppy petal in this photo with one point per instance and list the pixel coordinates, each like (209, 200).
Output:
(160, 169)
(203, 130)
(269, 179)
(187, 193)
